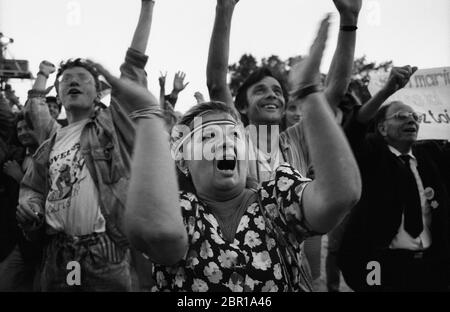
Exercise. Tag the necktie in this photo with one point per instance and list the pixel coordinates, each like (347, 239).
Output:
(411, 200)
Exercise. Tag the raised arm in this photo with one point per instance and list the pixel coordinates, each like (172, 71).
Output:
(135, 59)
(397, 80)
(142, 32)
(36, 109)
(219, 48)
(337, 184)
(153, 221)
(340, 71)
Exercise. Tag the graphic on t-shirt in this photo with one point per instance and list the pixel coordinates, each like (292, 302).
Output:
(66, 169)
(72, 204)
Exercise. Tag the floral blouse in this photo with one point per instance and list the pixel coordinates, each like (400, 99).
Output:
(266, 252)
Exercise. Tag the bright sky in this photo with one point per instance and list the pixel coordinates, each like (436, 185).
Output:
(412, 32)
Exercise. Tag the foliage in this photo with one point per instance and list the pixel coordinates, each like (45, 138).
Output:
(247, 63)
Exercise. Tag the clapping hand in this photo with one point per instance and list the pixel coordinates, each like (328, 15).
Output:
(307, 71)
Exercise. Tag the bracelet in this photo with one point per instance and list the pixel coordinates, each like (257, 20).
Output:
(349, 28)
(42, 74)
(36, 94)
(305, 91)
(147, 113)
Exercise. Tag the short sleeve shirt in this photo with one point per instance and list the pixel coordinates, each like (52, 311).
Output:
(256, 260)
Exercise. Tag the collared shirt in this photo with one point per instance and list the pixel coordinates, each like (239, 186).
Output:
(291, 148)
(260, 166)
(402, 239)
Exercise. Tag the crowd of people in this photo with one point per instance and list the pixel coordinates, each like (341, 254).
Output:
(235, 194)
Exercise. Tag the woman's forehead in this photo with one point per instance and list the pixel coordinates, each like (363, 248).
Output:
(211, 119)
(216, 116)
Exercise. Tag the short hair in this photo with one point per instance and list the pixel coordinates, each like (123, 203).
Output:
(256, 76)
(78, 62)
(20, 116)
(50, 99)
(381, 115)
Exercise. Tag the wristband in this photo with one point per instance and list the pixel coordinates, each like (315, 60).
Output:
(349, 28)
(305, 91)
(42, 74)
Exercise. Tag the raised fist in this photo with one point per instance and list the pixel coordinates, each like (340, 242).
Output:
(47, 68)
(399, 78)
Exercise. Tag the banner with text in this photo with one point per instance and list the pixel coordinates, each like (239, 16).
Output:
(428, 93)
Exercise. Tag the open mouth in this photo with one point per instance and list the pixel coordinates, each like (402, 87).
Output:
(410, 130)
(270, 106)
(226, 164)
(74, 91)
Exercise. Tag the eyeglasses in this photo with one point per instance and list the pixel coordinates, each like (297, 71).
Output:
(81, 77)
(402, 116)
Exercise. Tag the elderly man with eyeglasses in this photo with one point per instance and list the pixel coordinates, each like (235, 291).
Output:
(397, 238)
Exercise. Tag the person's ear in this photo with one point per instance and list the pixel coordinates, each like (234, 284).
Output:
(382, 129)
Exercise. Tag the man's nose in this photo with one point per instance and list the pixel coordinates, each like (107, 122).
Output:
(74, 82)
(271, 94)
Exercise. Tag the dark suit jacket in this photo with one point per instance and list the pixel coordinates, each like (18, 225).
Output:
(375, 220)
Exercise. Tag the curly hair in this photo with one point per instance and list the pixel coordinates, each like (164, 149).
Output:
(78, 62)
